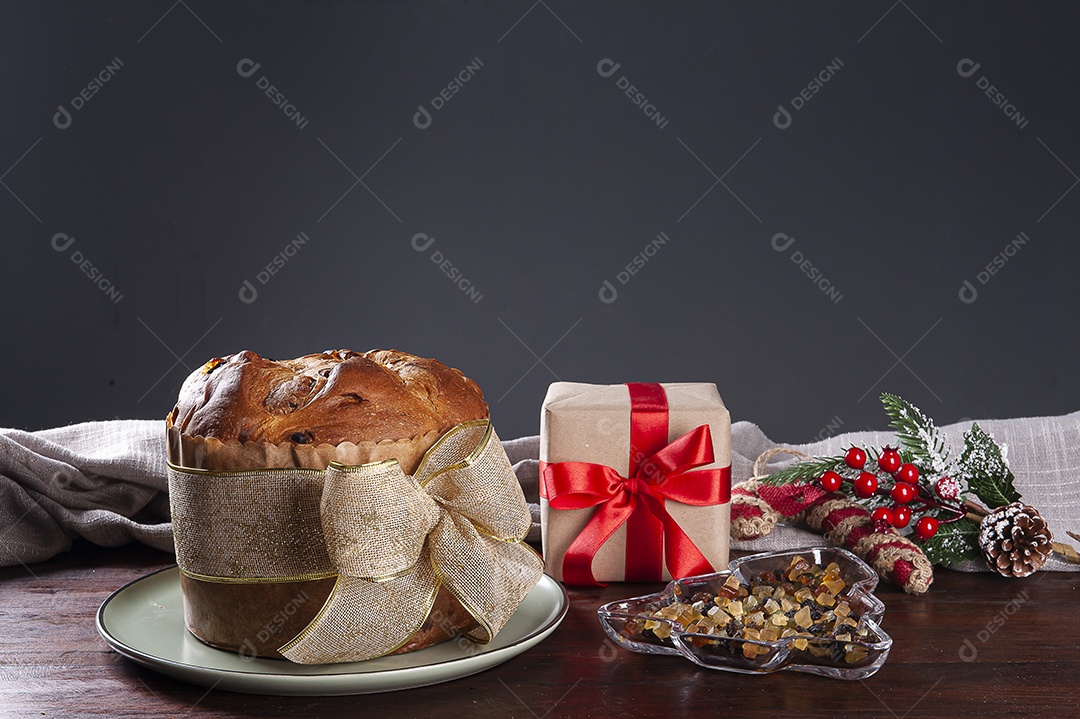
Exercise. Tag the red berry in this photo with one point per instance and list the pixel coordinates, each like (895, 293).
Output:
(865, 485)
(947, 488)
(926, 527)
(889, 461)
(908, 473)
(855, 458)
(882, 514)
(831, 481)
(901, 516)
(902, 493)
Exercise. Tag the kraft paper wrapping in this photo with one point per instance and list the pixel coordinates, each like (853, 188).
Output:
(591, 423)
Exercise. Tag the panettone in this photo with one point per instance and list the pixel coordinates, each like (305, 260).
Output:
(247, 412)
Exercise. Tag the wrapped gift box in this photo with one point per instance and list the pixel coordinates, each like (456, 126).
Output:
(635, 481)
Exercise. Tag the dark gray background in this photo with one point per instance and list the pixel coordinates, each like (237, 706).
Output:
(539, 180)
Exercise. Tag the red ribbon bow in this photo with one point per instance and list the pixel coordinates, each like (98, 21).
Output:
(638, 500)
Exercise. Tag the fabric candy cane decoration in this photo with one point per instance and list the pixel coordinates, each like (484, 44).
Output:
(757, 507)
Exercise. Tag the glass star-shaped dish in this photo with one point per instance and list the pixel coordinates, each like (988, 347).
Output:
(857, 658)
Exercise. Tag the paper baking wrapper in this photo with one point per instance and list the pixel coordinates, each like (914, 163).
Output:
(211, 453)
(591, 423)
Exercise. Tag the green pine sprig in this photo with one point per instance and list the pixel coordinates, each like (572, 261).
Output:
(805, 471)
(917, 434)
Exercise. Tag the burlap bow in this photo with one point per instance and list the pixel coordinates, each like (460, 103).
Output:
(393, 540)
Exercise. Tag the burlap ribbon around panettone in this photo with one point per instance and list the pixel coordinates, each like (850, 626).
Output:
(390, 538)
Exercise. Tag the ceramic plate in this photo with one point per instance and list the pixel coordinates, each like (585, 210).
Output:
(144, 621)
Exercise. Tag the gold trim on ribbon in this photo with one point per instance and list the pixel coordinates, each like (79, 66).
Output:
(258, 580)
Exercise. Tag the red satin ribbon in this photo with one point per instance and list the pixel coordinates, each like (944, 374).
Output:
(648, 435)
(665, 473)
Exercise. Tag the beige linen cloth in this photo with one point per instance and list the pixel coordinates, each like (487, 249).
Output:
(105, 481)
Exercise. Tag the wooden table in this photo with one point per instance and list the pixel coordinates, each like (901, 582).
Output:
(976, 645)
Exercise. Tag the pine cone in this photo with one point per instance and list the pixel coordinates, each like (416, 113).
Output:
(1015, 540)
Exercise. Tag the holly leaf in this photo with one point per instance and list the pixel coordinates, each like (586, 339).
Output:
(953, 543)
(983, 468)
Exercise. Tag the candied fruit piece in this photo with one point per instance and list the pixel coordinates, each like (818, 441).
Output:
(728, 591)
(800, 643)
(756, 619)
(854, 654)
(842, 608)
(788, 632)
(826, 600)
(735, 609)
(802, 618)
(651, 624)
(835, 586)
(720, 616)
(663, 631)
(779, 619)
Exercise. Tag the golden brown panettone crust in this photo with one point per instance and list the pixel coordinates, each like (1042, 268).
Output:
(328, 398)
